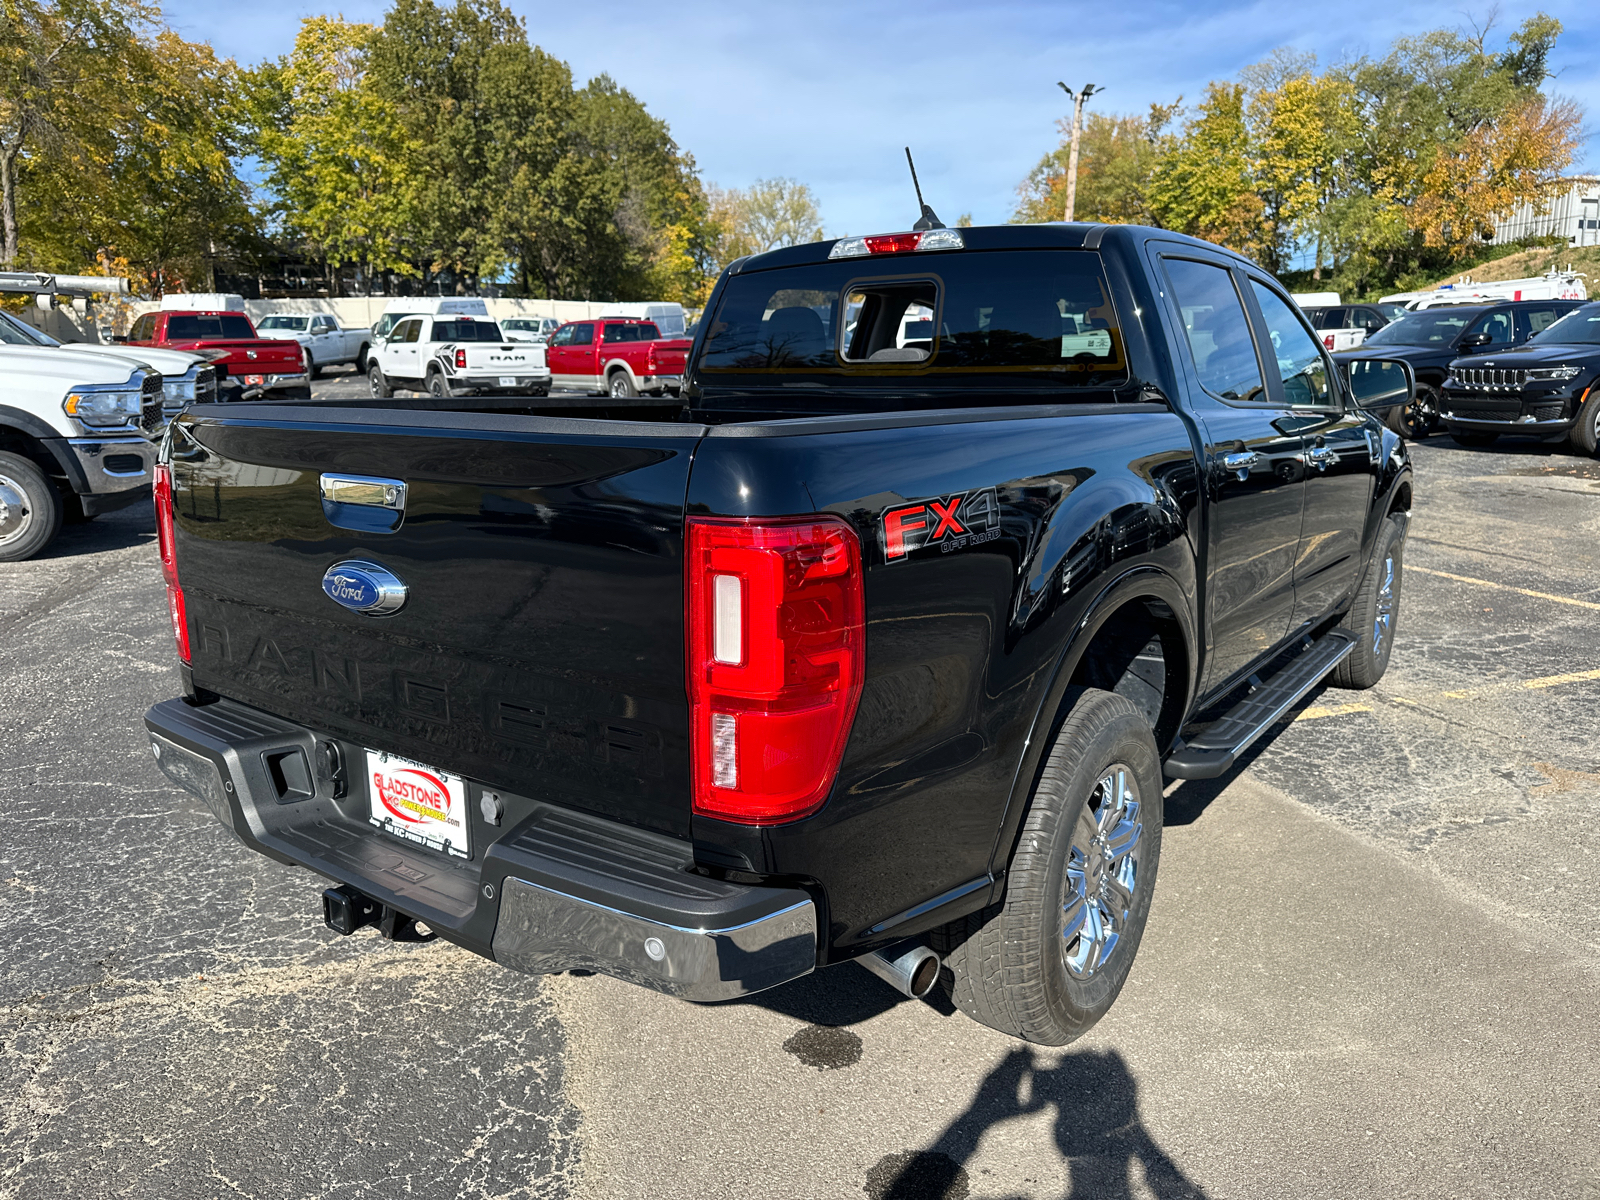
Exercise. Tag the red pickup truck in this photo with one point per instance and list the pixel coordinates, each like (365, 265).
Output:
(621, 356)
(248, 365)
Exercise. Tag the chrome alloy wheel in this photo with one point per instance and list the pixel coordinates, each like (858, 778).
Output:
(1102, 873)
(16, 514)
(1383, 619)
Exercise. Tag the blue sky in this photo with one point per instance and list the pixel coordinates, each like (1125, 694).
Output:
(828, 93)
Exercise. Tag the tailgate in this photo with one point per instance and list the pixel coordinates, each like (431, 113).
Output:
(268, 356)
(671, 355)
(540, 643)
(509, 357)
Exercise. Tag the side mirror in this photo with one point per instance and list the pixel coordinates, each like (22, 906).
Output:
(1381, 382)
(1471, 341)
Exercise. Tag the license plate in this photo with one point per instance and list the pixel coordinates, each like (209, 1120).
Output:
(508, 381)
(418, 803)
(254, 380)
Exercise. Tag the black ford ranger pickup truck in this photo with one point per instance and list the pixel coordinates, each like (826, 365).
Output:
(872, 645)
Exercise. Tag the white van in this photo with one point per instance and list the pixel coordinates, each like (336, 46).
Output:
(668, 318)
(427, 306)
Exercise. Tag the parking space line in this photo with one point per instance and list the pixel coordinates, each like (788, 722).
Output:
(1316, 711)
(1505, 587)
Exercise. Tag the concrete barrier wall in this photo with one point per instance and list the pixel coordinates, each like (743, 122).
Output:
(363, 312)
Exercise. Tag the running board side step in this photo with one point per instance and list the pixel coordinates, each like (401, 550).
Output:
(1217, 747)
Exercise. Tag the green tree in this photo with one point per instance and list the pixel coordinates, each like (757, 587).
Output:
(1203, 185)
(764, 216)
(333, 154)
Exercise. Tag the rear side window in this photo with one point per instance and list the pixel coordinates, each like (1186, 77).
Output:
(207, 327)
(621, 333)
(990, 319)
(1217, 329)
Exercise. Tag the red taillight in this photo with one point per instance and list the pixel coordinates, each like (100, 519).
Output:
(776, 655)
(1328, 341)
(169, 561)
(461, 359)
(893, 243)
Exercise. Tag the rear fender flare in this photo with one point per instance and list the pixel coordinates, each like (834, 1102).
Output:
(1140, 583)
(622, 364)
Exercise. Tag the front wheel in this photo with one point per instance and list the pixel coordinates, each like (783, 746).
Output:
(30, 509)
(377, 386)
(1375, 612)
(1419, 418)
(1585, 432)
(1049, 961)
(314, 367)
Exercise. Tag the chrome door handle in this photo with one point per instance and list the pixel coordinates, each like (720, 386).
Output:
(1321, 456)
(1241, 463)
(367, 490)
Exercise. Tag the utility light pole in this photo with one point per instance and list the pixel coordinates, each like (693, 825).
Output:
(1077, 132)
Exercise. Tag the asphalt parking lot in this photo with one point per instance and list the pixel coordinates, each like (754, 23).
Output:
(1371, 967)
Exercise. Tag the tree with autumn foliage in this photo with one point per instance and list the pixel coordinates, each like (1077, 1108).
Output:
(1375, 171)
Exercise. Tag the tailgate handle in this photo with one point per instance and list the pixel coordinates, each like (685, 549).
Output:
(369, 503)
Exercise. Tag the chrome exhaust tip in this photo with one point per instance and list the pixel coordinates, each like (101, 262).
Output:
(911, 969)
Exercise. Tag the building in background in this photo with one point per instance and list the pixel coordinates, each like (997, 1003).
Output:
(1573, 214)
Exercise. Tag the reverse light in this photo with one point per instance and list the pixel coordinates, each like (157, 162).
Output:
(166, 547)
(897, 243)
(461, 359)
(776, 656)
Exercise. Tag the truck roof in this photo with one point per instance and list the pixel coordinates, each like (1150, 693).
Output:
(435, 306)
(1056, 235)
(202, 302)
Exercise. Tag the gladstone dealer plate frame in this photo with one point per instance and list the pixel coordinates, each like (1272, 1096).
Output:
(418, 803)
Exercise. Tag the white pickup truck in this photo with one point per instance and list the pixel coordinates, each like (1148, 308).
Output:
(455, 354)
(78, 429)
(326, 344)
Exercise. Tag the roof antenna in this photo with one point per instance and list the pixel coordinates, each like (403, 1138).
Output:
(929, 219)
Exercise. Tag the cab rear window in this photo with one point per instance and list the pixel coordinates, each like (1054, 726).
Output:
(208, 327)
(986, 319)
(466, 330)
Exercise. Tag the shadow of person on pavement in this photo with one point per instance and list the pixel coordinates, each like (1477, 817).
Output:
(1098, 1132)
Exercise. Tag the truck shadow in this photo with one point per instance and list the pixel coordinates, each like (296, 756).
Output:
(838, 996)
(1105, 1150)
(131, 526)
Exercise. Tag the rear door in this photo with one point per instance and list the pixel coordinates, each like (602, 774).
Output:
(1339, 455)
(539, 645)
(1253, 468)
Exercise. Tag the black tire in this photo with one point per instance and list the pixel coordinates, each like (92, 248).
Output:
(313, 366)
(1465, 437)
(1009, 965)
(1375, 613)
(378, 386)
(1419, 418)
(361, 359)
(1585, 432)
(438, 385)
(620, 387)
(30, 509)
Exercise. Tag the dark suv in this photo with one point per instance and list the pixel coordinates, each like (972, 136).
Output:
(1431, 338)
(1546, 388)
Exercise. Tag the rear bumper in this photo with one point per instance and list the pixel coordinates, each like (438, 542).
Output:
(525, 382)
(551, 890)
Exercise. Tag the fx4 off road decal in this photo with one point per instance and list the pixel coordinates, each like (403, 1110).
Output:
(951, 522)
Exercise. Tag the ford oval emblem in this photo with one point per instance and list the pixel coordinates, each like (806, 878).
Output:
(364, 587)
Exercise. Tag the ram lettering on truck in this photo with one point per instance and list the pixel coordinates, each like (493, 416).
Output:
(453, 355)
(874, 645)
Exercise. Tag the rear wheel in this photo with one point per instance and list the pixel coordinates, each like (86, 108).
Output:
(1585, 434)
(620, 387)
(438, 385)
(1374, 612)
(1049, 961)
(1467, 438)
(1419, 418)
(377, 386)
(30, 509)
